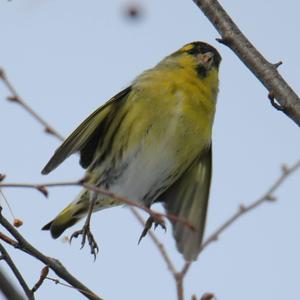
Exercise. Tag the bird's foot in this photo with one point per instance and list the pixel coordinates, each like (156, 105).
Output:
(157, 220)
(86, 233)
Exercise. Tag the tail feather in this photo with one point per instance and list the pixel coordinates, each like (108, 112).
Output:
(188, 199)
(76, 211)
(67, 218)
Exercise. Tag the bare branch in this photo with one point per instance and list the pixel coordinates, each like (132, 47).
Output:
(127, 201)
(158, 244)
(54, 264)
(244, 209)
(16, 272)
(14, 97)
(179, 278)
(266, 72)
(185, 268)
(98, 190)
(57, 281)
(267, 197)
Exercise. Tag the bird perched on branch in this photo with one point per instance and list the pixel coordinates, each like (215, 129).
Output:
(150, 143)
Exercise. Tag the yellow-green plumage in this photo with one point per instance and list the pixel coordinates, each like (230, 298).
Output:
(152, 142)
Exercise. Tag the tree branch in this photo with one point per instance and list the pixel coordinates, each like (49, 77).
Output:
(57, 281)
(178, 276)
(18, 275)
(267, 197)
(14, 97)
(266, 72)
(52, 263)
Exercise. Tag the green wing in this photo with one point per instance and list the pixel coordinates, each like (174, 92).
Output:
(86, 136)
(187, 198)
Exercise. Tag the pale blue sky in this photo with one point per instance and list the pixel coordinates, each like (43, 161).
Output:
(68, 57)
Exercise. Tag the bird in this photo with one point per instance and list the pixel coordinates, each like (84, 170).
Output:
(151, 143)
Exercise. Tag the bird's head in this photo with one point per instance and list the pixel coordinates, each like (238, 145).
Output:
(200, 56)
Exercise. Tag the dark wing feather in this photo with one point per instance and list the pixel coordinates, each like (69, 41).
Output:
(86, 135)
(187, 198)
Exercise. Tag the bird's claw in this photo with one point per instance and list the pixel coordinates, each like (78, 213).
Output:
(86, 233)
(157, 220)
(160, 222)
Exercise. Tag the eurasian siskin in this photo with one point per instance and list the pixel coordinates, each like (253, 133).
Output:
(152, 143)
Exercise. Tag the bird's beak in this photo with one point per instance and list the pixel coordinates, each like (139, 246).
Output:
(205, 59)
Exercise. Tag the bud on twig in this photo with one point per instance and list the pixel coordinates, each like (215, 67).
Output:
(18, 222)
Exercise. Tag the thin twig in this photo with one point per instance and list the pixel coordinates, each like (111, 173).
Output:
(185, 268)
(57, 281)
(53, 264)
(15, 97)
(7, 204)
(267, 197)
(127, 201)
(265, 71)
(44, 276)
(159, 245)
(178, 276)
(179, 279)
(42, 186)
(16, 272)
(179, 286)
(244, 209)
